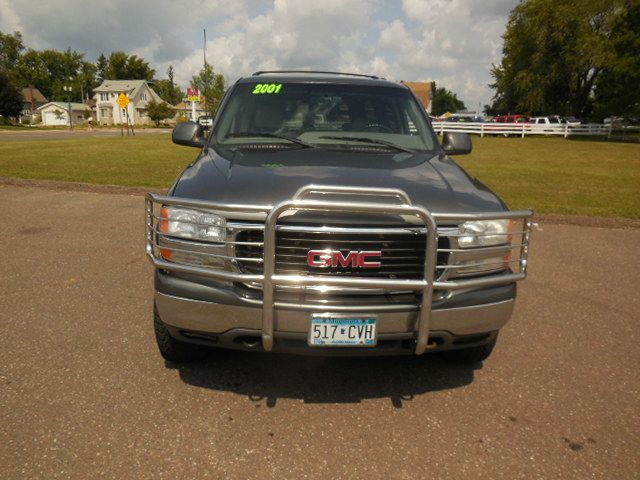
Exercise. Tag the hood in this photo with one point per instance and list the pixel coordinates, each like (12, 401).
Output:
(268, 177)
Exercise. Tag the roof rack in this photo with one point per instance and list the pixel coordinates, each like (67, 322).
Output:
(261, 72)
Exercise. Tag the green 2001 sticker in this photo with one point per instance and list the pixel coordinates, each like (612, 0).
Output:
(267, 88)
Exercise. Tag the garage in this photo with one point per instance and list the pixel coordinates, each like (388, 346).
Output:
(56, 113)
(51, 118)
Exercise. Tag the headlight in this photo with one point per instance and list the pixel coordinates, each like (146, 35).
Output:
(484, 233)
(192, 224)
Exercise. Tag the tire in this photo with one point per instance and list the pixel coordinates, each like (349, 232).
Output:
(472, 354)
(174, 350)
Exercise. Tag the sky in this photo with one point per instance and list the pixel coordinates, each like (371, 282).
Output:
(453, 42)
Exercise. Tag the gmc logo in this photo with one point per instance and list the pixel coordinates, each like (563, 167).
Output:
(335, 258)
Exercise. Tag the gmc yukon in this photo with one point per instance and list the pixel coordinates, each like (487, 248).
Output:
(322, 216)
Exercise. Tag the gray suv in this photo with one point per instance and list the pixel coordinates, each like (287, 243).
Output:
(322, 216)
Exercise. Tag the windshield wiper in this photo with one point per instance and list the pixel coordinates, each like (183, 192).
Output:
(369, 140)
(295, 140)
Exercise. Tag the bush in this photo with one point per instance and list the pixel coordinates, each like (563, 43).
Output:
(159, 111)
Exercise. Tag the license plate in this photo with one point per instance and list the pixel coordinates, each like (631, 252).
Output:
(335, 330)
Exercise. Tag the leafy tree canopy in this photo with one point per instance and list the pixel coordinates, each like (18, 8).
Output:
(50, 70)
(211, 85)
(617, 90)
(444, 100)
(10, 98)
(120, 66)
(167, 89)
(158, 111)
(11, 47)
(555, 53)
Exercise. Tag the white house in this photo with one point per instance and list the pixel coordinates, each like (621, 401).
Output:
(57, 113)
(108, 112)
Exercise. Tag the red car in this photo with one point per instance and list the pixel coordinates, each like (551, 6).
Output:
(511, 120)
(517, 118)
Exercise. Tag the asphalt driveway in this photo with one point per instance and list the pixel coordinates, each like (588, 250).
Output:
(84, 393)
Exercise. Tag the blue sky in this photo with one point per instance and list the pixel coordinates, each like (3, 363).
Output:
(452, 42)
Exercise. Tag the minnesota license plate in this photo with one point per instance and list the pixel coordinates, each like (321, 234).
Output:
(335, 330)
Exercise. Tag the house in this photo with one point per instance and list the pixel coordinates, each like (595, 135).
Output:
(422, 90)
(57, 113)
(185, 110)
(32, 98)
(108, 112)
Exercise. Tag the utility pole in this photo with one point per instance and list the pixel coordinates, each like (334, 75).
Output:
(206, 85)
(204, 47)
(68, 89)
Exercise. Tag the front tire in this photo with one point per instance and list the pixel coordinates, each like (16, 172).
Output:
(174, 350)
(471, 355)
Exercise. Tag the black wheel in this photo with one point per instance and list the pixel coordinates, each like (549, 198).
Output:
(174, 350)
(471, 354)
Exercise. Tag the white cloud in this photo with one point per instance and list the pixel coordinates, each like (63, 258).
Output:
(451, 41)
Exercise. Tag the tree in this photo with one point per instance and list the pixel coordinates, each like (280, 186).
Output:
(121, 66)
(10, 98)
(444, 100)
(211, 85)
(617, 90)
(102, 67)
(50, 71)
(167, 89)
(11, 47)
(158, 111)
(553, 55)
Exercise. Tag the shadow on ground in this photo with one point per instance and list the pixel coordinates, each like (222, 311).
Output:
(269, 377)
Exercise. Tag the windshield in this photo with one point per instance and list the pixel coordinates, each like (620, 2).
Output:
(324, 116)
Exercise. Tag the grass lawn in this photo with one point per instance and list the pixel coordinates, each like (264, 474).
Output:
(557, 175)
(551, 175)
(145, 160)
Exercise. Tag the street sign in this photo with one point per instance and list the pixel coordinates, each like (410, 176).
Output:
(193, 95)
(123, 100)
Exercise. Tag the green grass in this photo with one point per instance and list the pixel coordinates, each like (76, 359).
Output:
(144, 161)
(551, 175)
(556, 175)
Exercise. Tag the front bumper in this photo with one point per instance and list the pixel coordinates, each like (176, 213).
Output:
(240, 327)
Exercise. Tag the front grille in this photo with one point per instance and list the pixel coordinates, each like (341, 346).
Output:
(403, 254)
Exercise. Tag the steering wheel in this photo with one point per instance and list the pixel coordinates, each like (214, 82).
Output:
(379, 126)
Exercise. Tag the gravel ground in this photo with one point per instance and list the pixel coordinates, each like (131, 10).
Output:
(84, 393)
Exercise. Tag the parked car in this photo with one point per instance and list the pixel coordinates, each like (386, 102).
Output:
(506, 119)
(465, 118)
(552, 120)
(572, 121)
(517, 118)
(322, 216)
(546, 124)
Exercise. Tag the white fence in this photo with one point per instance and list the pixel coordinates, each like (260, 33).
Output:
(522, 129)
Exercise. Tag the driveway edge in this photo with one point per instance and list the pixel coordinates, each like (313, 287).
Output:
(600, 222)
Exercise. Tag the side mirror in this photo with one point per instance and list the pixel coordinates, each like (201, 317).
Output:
(189, 134)
(456, 143)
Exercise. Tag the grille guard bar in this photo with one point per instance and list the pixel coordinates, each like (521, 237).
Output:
(270, 280)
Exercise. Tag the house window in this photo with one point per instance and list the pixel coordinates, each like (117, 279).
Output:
(104, 112)
(143, 97)
(104, 97)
